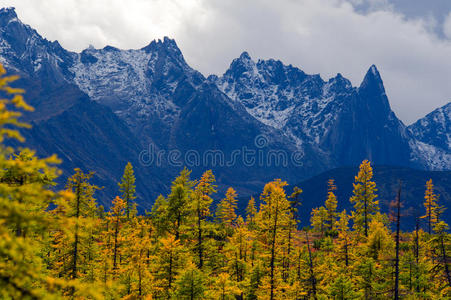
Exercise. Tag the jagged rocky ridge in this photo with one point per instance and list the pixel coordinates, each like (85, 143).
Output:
(348, 123)
(100, 108)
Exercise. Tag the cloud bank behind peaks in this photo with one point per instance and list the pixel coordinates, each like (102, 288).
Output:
(319, 36)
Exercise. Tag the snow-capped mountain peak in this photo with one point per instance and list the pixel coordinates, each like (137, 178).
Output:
(435, 128)
(373, 81)
(137, 83)
(282, 96)
(23, 50)
(8, 15)
(243, 66)
(166, 47)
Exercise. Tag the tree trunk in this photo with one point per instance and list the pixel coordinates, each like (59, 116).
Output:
(299, 266)
(398, 220)
(273, 248)
(77, 215)
(170, 271)
(346, 252)
(199, 237)
(140, 281)
(417, 251)
(192, 285)
(312, 274)
(237, 267)
(127, 207)
(116, 233)
(287, 259)
(365, 212)
(177, 227)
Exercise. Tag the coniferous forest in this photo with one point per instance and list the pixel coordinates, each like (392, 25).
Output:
(59, 243)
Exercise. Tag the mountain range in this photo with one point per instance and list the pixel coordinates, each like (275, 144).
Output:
(100, 108)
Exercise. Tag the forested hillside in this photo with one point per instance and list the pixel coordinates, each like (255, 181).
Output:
(62, 244)
(387, 180)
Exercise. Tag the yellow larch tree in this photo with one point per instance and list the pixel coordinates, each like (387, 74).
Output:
(431, 205)
(200, 208)
(331, 204)
(226, 211)
(127, 188)
(364, 198)
(273, 220)
(169, 261)
(73, 241)
(318, 219)
(251, 211)
(116, 219)
(137, 251)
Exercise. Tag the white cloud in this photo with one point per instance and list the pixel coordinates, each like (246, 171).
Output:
(378, 4)
(447, 26)
(319, 36)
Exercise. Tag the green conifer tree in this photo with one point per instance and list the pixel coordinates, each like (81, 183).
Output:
(127, 188)
(226, 211)
(331, 205)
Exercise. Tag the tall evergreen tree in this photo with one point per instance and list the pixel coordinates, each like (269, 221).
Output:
(331, 204)
(137, 250)
(344, 236)
(431, 205)
(442, 243)
(127, 188)
(318, 219)
(295, 201)
(81, 210)
(169, 263)
(116, 220)
(200, 205)
(416, 250)
(178, 208)
(312, 277)
(396, 217)
(236, 251)
(274, 218)
(160, 216)
(226, 210)
(376, 269)
(251, 211)
(364, 198)
(170, 214)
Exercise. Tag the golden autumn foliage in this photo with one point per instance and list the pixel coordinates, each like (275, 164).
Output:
(226, 210)
(62, 245)
(431, 206)
(364, 198)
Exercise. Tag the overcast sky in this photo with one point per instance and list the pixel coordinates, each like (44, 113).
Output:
(408, 40)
